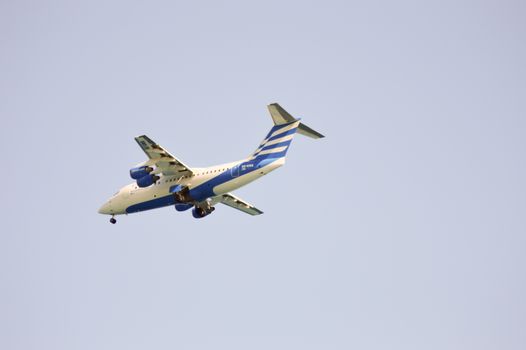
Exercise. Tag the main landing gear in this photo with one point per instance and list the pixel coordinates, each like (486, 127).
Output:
(113, 220)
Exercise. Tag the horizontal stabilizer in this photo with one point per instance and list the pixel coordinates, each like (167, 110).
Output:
(306, 131)
(281, 116)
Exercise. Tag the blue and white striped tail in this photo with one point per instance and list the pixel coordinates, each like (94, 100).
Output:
(277, 142)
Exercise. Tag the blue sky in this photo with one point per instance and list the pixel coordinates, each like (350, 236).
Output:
(402, 229)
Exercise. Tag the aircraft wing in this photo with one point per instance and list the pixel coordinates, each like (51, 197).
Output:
(239, 204)
(162, 159)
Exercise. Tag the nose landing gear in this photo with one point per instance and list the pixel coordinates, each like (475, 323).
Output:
(113, 220)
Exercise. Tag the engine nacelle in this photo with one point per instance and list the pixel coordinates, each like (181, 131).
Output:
(182, 206)
(147, 180)
(199, 213)
(142, 171)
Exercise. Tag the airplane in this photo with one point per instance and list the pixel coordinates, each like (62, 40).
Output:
(163, 180)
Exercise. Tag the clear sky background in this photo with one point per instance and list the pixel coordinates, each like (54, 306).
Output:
(404, 228)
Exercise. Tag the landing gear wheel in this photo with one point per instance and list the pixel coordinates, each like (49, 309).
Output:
(113, 220)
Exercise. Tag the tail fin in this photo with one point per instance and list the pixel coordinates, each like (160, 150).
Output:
(281, 116)
(276, 143)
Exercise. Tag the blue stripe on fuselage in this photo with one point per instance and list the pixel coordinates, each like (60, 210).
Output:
(151, 204)
(205, 190)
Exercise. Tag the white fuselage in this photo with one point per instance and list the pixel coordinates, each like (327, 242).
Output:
(159, 195)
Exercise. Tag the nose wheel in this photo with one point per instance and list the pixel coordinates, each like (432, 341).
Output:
(113, 220)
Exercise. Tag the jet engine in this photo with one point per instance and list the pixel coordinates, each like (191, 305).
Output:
(142, 171)
(199, 212)
(147, 180)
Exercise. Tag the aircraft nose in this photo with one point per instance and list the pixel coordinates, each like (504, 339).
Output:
(106, 208)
